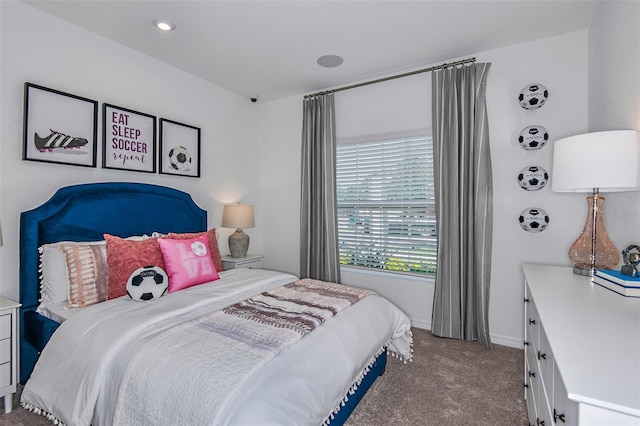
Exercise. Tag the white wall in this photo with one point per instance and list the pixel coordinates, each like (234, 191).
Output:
(614, 100)
(559, 63)
(41, 49)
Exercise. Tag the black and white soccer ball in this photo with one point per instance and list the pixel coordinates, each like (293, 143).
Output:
(179, 158)
(533, 178)
(533, 137)
(533, 96)
(533, 219)
(147, 283)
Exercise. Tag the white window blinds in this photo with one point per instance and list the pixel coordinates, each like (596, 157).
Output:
(386, 205)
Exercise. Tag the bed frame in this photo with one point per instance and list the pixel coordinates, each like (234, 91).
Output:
(84, 213)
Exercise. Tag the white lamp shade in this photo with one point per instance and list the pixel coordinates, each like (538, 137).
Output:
(238, 216)
(608, 161)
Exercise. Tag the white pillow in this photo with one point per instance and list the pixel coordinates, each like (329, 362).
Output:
(54, 278)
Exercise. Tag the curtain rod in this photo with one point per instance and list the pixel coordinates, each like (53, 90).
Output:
(393, 77)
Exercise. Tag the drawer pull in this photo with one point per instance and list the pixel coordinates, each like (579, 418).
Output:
(539, 422)
(557, 416)
(526, 385)
(526, 300)
(526, 343)
(541, 356)
(532, 321)
(532, 374)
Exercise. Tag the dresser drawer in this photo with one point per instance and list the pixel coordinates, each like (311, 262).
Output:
(545, 360)
(5, 351)
(256, 264)
(5, 326)
(531, 396)
(565, 411)
(533, 325)
(5, 375)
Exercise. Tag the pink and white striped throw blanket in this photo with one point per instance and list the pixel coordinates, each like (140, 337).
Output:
(230, 345)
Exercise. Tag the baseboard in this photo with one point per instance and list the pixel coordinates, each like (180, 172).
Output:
(496, 339)
(418, 323)
(507, 341)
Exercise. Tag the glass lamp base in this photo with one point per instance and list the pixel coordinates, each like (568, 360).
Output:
(587, 272)
(593, 249)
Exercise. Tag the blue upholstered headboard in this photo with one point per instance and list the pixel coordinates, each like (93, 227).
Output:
(85, 213)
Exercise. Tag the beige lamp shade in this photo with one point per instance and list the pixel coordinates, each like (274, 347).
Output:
(238, 216)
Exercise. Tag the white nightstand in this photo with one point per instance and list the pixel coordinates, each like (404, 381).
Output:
(251, 261)
(8, 350)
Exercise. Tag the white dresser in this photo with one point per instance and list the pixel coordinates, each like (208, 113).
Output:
(582, 351)
(8, 350)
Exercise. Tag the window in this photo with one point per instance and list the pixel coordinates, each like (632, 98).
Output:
(386, 204)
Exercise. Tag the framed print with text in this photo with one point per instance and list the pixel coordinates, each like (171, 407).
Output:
(128, 139)
(59, 127)
(179, 149)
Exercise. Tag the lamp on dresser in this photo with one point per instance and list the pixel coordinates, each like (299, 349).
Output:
(238, 216)
(593, 163)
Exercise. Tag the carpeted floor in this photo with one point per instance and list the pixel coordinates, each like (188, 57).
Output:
(449, 382)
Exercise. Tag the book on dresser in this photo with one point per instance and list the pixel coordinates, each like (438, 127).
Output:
(618, 282)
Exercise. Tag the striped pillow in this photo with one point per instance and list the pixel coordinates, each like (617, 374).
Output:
(87, 273)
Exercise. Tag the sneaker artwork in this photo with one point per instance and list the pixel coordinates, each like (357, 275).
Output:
(58, 140)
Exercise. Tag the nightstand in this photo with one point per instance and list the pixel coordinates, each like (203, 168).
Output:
(8, 350)
(251, 261)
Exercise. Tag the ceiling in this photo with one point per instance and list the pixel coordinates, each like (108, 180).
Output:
(270, 48)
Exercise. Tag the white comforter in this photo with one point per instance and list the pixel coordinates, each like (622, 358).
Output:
(78, 375)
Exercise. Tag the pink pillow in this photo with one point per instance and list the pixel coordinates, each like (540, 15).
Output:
(188, 262)
(213, 244)
(124, 257)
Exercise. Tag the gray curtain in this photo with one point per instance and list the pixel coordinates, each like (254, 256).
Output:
(319, 258)
(464, 203)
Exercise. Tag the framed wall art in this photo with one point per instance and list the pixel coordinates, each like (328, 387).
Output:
(179, 149)
(128, 139)
(59, 127)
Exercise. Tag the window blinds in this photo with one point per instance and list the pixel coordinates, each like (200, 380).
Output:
(386, 205)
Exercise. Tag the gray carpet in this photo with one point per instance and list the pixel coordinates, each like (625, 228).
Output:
(450, 382)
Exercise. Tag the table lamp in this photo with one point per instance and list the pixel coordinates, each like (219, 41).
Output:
(594, 162)
(238, 216)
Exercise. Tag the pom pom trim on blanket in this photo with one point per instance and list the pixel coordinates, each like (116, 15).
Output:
(356, 384)
(42, 412)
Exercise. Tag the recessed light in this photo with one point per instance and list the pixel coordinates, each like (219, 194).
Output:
(330, 61)
(164, 25)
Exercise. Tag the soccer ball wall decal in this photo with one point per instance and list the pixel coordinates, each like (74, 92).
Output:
(533, 219)
(179, 158)
(147, 283)
(533, 96)
(533, 137)
(533, 178)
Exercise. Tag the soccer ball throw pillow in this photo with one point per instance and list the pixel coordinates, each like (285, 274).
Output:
(147, 283)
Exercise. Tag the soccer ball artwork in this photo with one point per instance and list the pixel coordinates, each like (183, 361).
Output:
(147, 283)
(533, 96)
(533, 219)
(533, 137)
(179, 158)
(533, 178)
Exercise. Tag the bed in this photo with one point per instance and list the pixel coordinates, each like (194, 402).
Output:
(178, 359)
